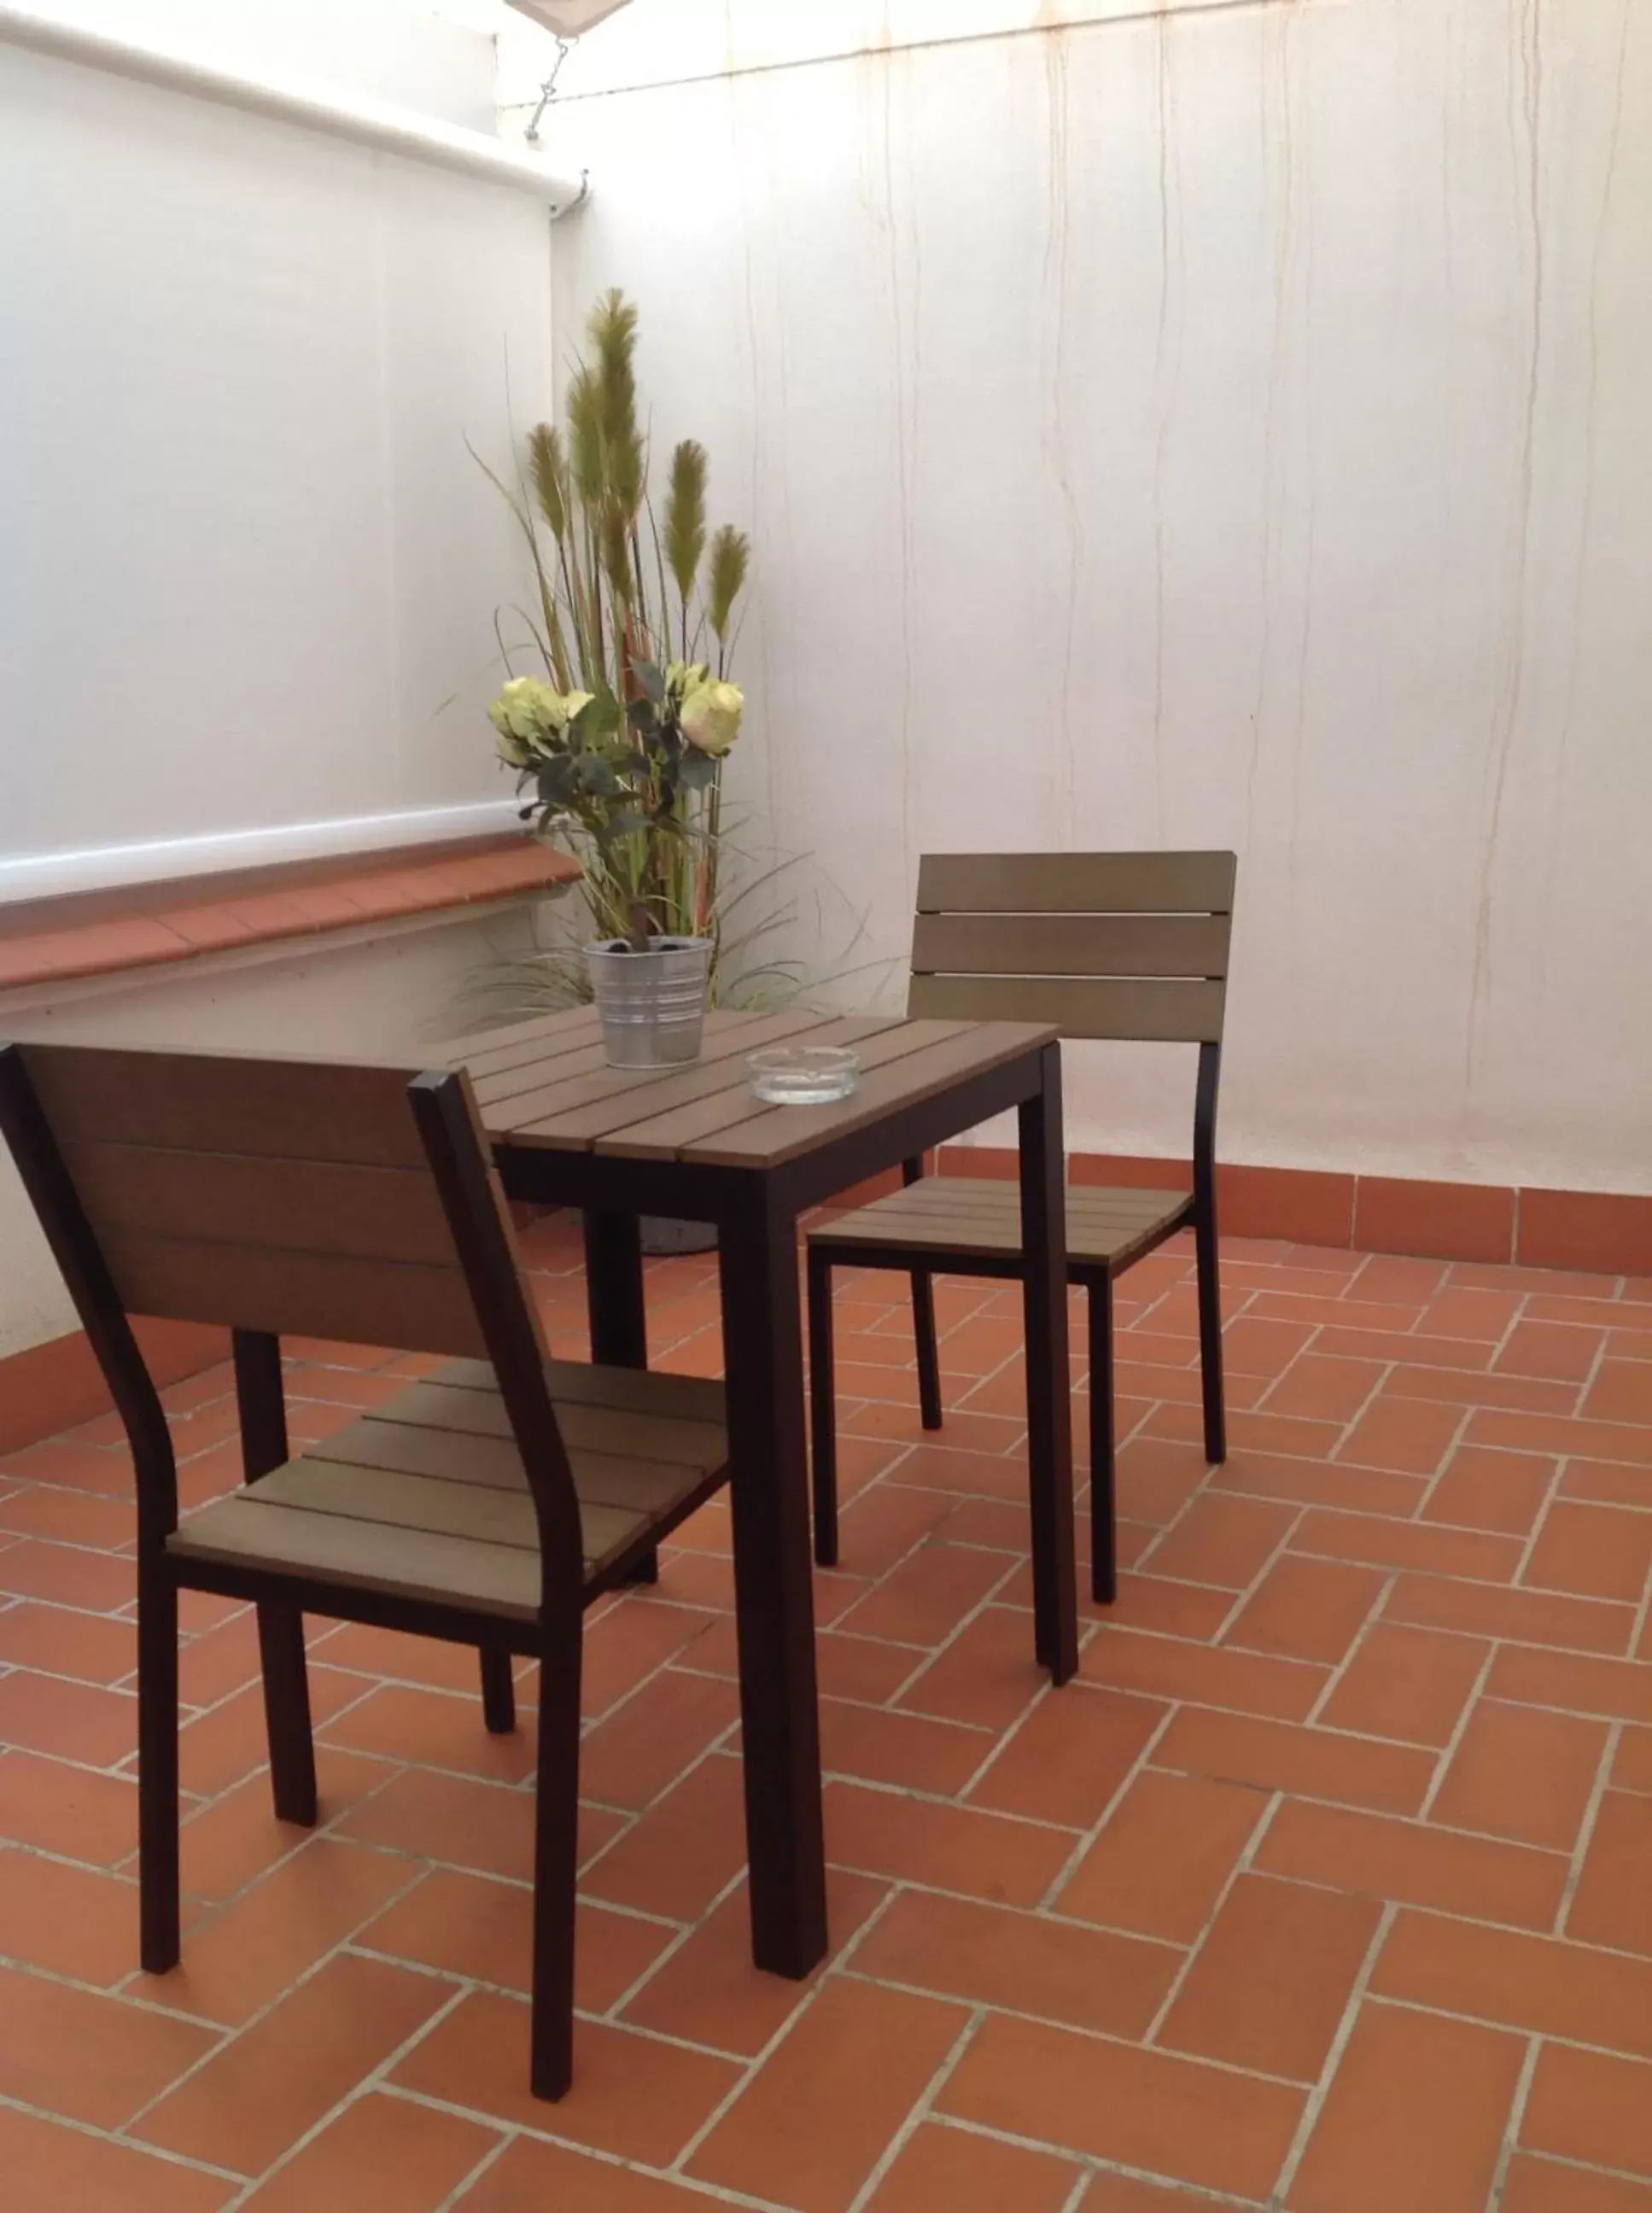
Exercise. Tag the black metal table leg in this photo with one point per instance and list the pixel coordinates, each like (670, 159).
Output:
(618, 1316)
(1049, 1400)
(774, 1596)
(613, 1290)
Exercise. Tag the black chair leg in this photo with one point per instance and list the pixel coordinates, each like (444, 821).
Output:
(929, 1357)
(1210, 1303)
(823, 1407)
(287, 1713)
(499, 1691)
(1104, 1531)
(556, 1865)
(929, 1353)
(157, 1772)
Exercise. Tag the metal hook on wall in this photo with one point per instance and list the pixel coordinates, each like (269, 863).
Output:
(548, 90)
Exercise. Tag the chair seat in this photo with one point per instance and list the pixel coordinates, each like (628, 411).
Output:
(427, 1498)
(966, 1217)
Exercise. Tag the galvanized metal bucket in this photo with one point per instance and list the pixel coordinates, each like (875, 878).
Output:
(653, 1004)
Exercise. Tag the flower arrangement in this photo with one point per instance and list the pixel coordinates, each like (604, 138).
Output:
(618, 747)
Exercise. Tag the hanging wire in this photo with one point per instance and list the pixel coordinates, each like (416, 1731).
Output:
(548, 90)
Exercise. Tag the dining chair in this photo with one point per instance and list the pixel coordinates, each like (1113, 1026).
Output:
(1124, 945)
(487, 1503)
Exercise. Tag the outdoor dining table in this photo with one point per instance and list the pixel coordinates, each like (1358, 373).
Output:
(697, 1142)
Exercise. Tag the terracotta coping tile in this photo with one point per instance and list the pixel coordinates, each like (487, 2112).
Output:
(144, 926)
(207, 925)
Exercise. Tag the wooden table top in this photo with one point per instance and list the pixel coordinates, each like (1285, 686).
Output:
(545, 1083)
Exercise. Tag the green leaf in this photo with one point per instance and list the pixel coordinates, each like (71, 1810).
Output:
(597, 718)
(597, 775)
(557, 781)
(651, 677)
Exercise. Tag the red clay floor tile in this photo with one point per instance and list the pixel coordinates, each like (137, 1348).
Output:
(966, 2172)
(811, 2127)
(1172, 2116)
(1268, 1986)
(1591, 2105)
(1415, 2117)
(1537, 2184)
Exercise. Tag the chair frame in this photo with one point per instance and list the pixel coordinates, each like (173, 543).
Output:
(443, 1113)
(1198, 1211)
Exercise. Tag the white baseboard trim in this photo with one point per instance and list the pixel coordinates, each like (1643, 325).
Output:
(40, 875)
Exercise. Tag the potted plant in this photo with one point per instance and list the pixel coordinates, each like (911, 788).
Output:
(618, 747)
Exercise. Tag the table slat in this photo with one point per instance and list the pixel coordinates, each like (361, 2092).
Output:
(537, 1110)
(666, 1136)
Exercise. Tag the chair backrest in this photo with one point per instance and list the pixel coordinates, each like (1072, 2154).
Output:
(280, 1198)
(287, 1197)
(1103, 945)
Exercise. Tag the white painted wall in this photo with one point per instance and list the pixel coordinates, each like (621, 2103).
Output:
(1230, 427)
(436, 56)
(247, 570)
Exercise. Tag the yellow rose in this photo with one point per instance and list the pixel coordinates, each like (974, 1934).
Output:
(683, 677)
(710, 717)
(528, 713)
(526, 708)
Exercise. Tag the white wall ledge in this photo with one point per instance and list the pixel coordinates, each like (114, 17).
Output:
(310, 105)
(104, 867)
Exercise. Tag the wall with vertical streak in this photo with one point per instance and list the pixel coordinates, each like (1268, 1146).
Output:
(1212, 424)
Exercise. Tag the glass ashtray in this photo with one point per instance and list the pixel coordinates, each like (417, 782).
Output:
(803, 1075)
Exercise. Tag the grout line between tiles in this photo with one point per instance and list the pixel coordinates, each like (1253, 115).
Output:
(1586, 1827)
(1449, 1749)
(921, 2108)
(1309, 2119)
(1241, 1866)
(362, 2088)
(1512, 2124)
(1375, 1614)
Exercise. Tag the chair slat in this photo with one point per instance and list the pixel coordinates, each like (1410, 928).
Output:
(240, 1199)
(948, 1215)
(239, 1533)
(294, 1110)
(1072, 945)
(623, 1432)
(295, 1293)
(631, 1390)
(642, 1485)
(1077, 883)
(1079, 1007)
(486, 1512)
(412, 1450)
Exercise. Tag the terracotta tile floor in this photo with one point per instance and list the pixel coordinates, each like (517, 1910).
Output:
(1328, 1885)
